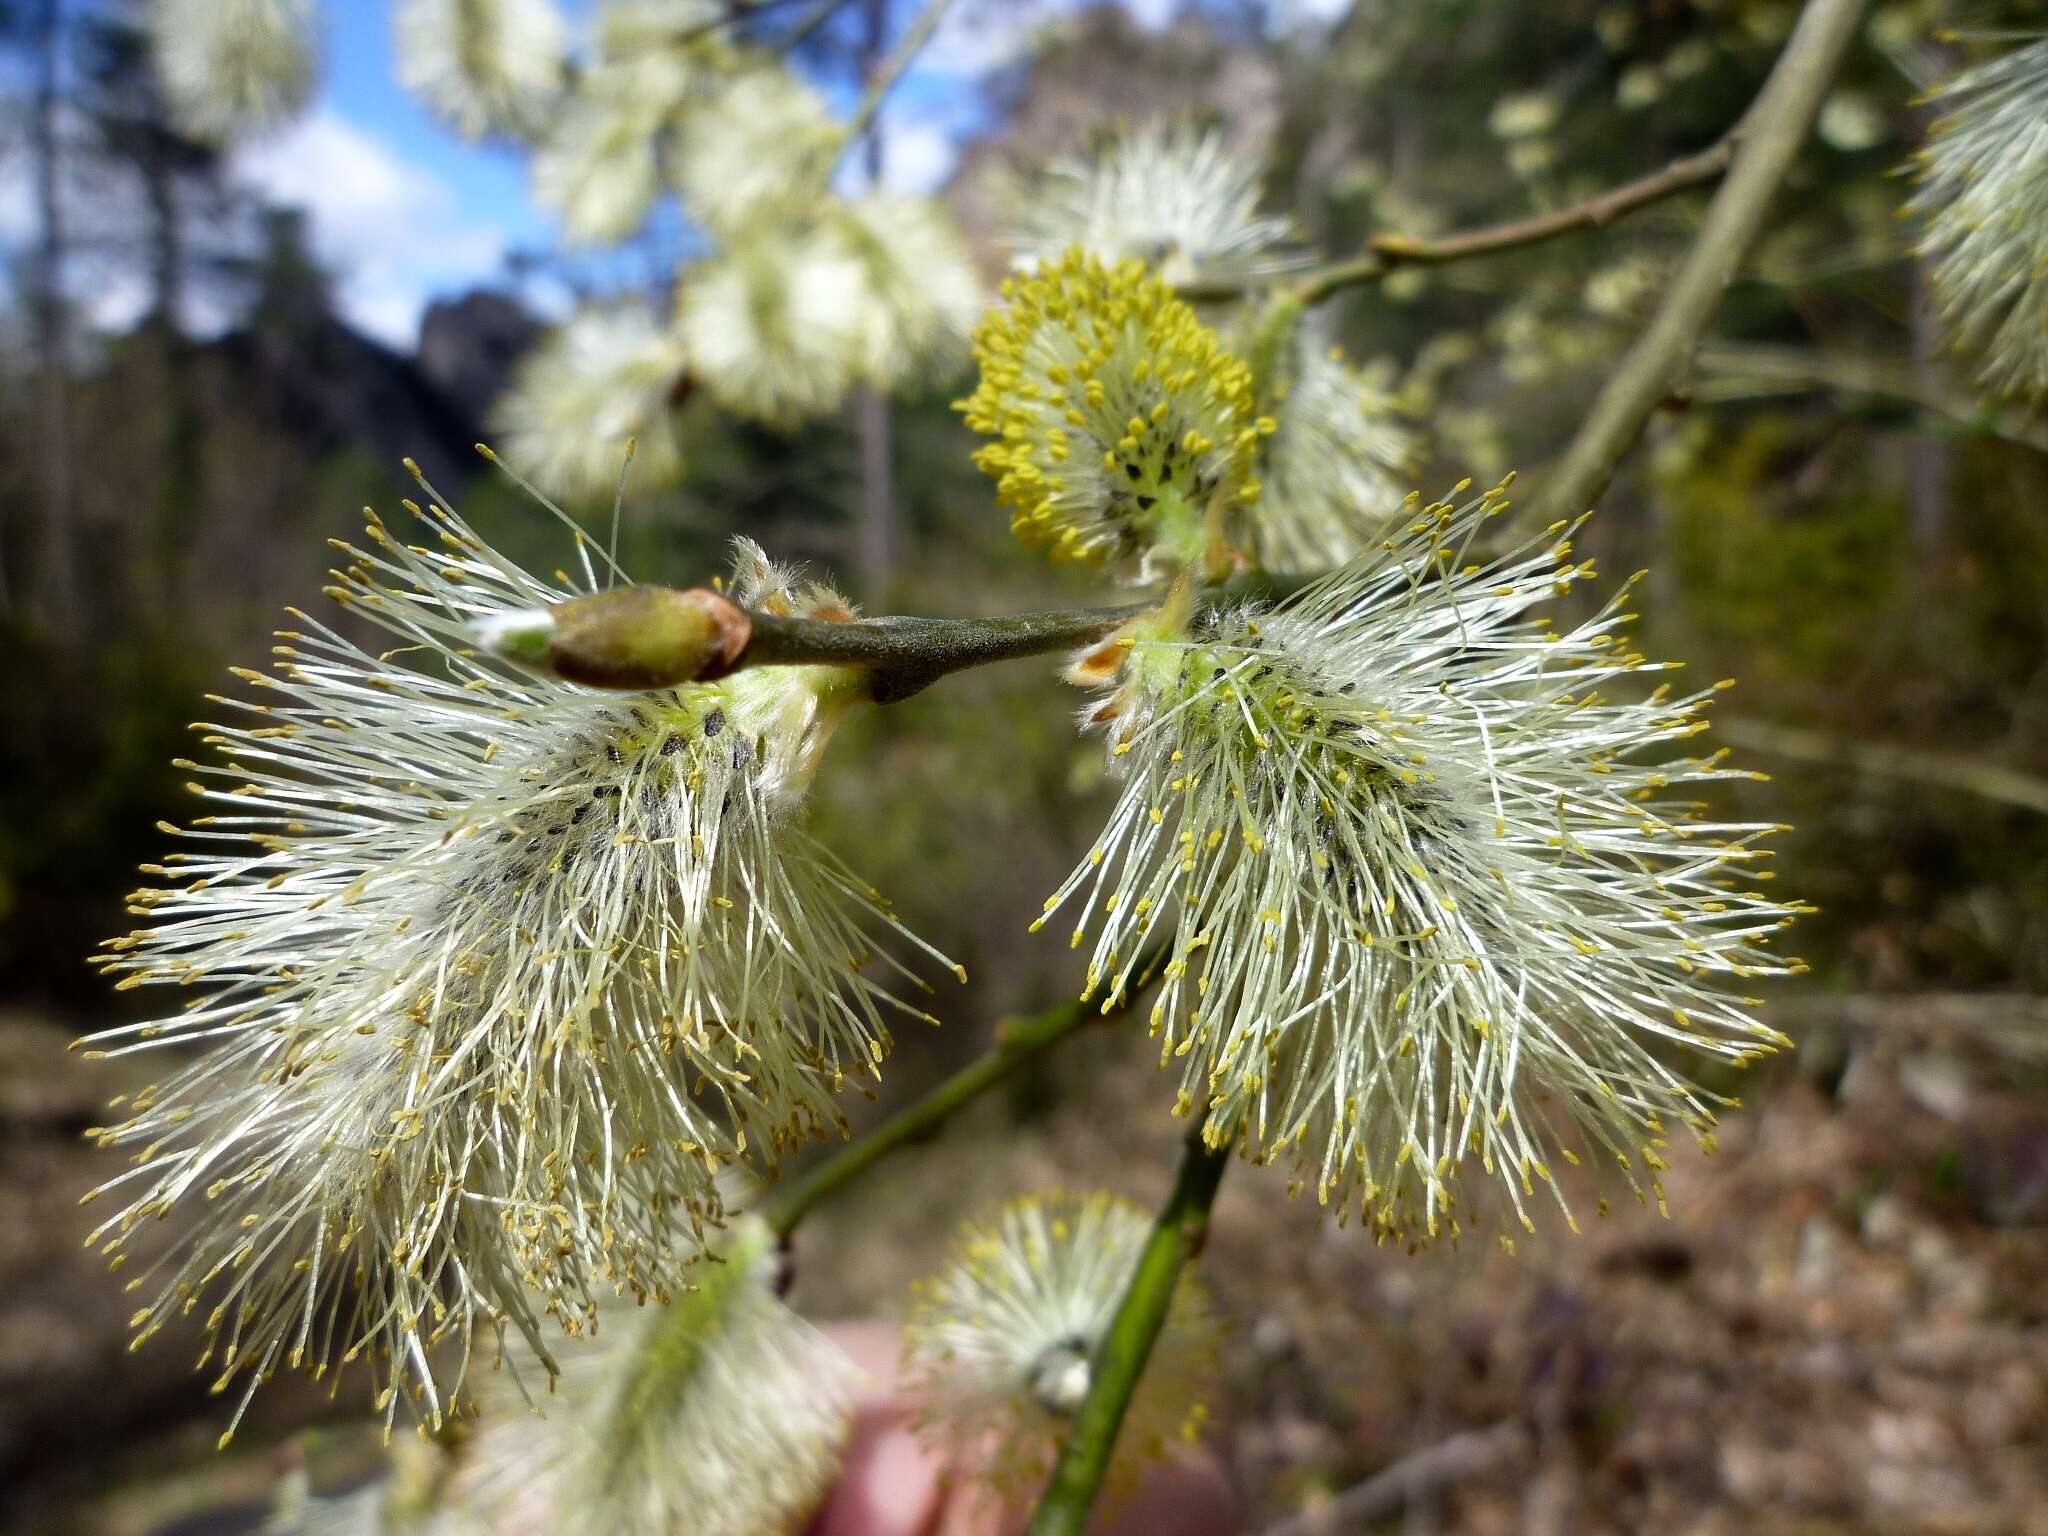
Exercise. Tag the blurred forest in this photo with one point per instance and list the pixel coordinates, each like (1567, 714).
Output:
(1845, 1327)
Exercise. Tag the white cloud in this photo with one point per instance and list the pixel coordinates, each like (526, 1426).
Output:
(921, 155)
(115, 297)
(393, 234)
(973, 39)
(391, 231)
(17, 203)
(923, 145)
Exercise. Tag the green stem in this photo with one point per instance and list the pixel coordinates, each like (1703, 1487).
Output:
(1017, 1041)
(1177, 1237)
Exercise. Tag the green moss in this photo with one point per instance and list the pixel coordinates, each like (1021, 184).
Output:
(1795, 587)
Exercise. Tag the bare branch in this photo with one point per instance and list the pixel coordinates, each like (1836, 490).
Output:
(662, 637)
(1388, 253)
(1994, 1014)
(1987, 781)
(1767, 138)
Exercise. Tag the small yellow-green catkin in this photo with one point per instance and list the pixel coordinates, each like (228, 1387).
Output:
(1121, 427)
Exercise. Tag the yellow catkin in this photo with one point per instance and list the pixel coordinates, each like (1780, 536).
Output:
(1116, 419)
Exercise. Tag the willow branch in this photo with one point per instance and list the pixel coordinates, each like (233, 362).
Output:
(2001, 1016)
(1987, 781)
(1018, 1041)
(1767, 138)
(662, 637)
(885, 78)
(1178, 1233)
(905, 655)
(1386, 253)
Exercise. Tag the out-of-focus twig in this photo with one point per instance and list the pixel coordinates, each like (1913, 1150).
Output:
(1017, 1041)
(1469, 1454)
(1768, 137)
(811, 22)
(1388, 253)
(1797, 369)
(885, 78)
(2013, 1023)
(1988, 781)
(736, 15)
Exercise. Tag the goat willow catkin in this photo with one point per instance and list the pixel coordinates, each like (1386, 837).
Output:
(1983, 198)
(494, 974)
(1000, 1345)
(721, 1414)
(1171, 195)
(483, 66)
(1428, 903)
(1335, 468)
(232, 68)
(609, 374)
(1122, 429)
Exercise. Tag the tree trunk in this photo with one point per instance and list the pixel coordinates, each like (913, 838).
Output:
(178, 488)
(872, 424)
(55, 574)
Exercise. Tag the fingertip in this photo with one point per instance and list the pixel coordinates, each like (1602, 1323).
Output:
(877, 1348)
(889, 1487)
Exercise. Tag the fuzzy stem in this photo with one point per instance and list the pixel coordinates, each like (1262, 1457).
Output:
(1017, 1041)
(812, 21)
(1770, 135)
(1178, 1233)
(906, 654)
